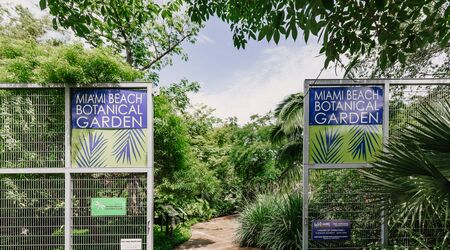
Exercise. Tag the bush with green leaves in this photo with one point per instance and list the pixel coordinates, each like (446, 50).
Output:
(272, 221)
(23, 61)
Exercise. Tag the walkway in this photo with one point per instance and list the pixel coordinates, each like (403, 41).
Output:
(215, 234)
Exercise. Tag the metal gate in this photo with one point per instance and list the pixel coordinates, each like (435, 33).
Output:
(325, 200)
(44, 202)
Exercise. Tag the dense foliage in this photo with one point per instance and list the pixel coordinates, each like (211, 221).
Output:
(204, 166)
(272, 221)
(147, 33)
(413, 176)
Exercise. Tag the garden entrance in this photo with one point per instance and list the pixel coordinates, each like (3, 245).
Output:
(346, 123)
(76, 166)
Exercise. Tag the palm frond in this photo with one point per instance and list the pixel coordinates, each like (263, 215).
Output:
(289, 113)
(291, 152)
(129, 144)
(412, 173)
(364, 140)
(430, 128)
(326, 146)
(90, 150)
(277, 134)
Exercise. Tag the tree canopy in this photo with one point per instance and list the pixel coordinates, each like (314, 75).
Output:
(147, 33)
(354, 28)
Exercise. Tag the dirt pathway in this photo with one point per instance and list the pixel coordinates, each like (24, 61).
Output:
(217, 233)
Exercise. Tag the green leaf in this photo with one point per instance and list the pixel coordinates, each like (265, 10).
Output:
(380, 4)
(402, 57)
(269, 33)
(294, 33)
(306, 34)
(276, 36)
(262, 33)
(328, 4)
(54, 24)
(314, 27)
(383, 59)
(43, 4)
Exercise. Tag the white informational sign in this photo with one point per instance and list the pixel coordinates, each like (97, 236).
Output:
(130, 244)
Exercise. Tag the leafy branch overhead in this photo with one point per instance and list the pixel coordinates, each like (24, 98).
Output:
(355, 28)
(147, 33)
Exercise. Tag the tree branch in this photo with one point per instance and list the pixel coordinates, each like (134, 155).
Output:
(170, 49)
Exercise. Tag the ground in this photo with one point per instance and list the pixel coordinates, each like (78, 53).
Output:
(217, 233)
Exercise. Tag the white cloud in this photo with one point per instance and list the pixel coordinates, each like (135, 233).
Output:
(279, 72)
(204, 39)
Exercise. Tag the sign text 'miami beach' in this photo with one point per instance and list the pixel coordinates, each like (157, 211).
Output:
(109, 108)
(346, 106)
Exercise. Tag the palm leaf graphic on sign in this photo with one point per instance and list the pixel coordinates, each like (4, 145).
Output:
(326, 146)
(99, 205)
(363, 141)
(129, 143)
(90, 150)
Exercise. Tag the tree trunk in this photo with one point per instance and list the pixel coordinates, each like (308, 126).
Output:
(129, 55)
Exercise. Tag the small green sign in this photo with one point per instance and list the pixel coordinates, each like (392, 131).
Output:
(108, 206)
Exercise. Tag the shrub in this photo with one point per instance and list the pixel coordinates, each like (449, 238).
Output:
(28, 61)
(283, 229)
(254, 217)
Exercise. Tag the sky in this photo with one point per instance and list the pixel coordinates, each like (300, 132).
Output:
(235, 82)
(245, 82)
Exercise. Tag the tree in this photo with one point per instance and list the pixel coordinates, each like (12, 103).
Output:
(344, 27)
(288, 132)
(147, 33)
(21, 24)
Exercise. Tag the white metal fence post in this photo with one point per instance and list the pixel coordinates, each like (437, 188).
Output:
(384, 221)
(305, 200)
(67, 175)
(150, 177)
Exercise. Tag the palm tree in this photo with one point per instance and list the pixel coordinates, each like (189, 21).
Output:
(413, 176)
(288, 132)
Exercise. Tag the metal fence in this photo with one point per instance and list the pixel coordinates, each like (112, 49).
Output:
(349, 201)
(404, 105)
(32, 212)
(44, 202)
(31, 128)
(106, 232)
(327, 200)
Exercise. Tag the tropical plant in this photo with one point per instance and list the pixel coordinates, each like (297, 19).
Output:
(284, 230)
(413, 176)
(272, 221)
(288, 128)
(254, 217)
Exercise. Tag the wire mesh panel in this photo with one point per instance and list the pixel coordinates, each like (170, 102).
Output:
(92, 231)
(404, 105)
(31, 128)
(339, 195)
(32, 213)
(405, 101)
